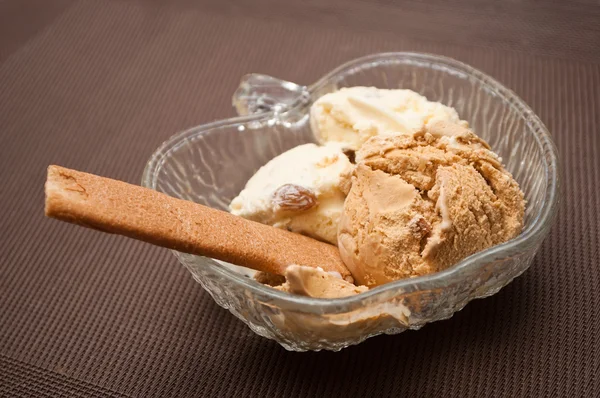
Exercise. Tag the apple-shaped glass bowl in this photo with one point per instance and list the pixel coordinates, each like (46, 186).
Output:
(211, 164)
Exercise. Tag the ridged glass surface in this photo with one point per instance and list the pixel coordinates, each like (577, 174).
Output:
(210, 164)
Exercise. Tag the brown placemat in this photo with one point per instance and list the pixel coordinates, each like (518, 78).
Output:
(98, 85)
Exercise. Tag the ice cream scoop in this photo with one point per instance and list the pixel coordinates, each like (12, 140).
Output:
(352, 115)
(298, 190)
(315, 282)
(420, 202)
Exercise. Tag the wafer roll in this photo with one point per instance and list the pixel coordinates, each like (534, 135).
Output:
(140, 213)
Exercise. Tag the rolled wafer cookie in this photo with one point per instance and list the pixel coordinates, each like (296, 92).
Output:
(144, 214)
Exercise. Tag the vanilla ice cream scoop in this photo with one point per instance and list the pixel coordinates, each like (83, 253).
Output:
(298, 190)
(353, 115)
(418, 203)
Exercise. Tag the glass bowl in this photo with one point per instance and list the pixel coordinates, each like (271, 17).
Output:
(210, 164)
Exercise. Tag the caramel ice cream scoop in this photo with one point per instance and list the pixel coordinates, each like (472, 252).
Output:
(420, 202)
(315, 282)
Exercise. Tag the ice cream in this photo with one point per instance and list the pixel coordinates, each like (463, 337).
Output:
(422, 193)
(420, 202)
(298, 190)
(314, 282)
(353, 115)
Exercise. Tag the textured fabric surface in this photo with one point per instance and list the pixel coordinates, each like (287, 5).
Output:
(98, 85)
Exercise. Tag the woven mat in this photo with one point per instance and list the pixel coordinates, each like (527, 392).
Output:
(98, 85)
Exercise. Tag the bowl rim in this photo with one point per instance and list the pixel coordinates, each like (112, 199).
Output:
(536, 231)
